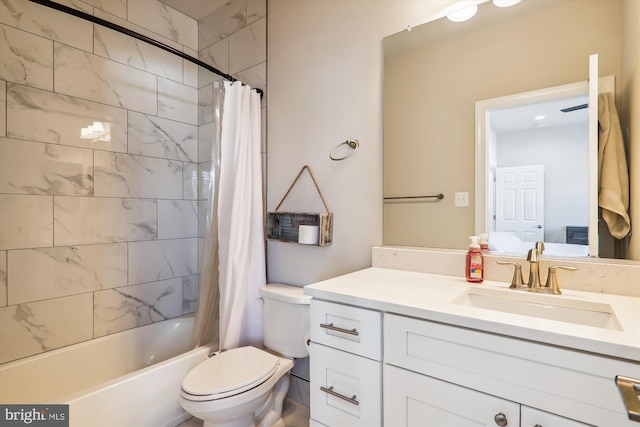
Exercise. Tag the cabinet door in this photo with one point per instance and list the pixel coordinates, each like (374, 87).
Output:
(345, 388)
(531, 417)
(414, 400)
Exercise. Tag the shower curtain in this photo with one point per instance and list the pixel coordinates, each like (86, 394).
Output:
(233, 268)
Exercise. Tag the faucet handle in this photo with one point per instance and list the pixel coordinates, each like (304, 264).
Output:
(552, 280)
(517, 281)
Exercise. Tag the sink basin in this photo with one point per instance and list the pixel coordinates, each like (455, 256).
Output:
(543, 306)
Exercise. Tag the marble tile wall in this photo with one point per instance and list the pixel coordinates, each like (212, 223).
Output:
(99, 226)
(233, 39)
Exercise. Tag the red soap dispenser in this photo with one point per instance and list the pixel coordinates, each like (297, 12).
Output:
(475, 262)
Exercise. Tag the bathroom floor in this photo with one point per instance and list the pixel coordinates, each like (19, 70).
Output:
(294, 414)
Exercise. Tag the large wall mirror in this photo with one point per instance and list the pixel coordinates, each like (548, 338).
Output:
(437, 72)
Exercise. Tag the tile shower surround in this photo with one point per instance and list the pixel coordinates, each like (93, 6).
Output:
(101, 235)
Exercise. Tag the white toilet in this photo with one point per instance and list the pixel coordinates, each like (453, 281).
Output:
(246, 386)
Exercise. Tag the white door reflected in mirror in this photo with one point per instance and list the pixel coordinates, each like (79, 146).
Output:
(510, 133)
(519, 207)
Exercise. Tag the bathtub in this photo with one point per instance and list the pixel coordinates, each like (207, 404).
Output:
(130, 378)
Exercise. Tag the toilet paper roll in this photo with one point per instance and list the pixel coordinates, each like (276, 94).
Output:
(308, 234)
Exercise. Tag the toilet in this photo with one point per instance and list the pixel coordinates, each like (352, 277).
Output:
(246, 386)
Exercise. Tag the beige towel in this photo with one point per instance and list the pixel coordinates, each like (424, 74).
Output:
(613, 175)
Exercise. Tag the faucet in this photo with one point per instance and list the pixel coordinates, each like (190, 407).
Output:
(534, 283)
(534, 269)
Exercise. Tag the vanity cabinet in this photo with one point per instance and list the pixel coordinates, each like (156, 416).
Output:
(345, 365)
(438, 374)
(477, 376)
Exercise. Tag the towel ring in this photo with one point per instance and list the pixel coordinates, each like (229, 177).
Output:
(353, 143)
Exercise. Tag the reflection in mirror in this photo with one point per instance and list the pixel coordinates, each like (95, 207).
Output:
(534, 155)
(436, 73)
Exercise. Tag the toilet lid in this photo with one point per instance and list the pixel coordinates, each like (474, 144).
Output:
(230, 372)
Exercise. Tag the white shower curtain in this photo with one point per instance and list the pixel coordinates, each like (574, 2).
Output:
(241, 244)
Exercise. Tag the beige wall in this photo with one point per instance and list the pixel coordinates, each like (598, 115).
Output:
(630, 111)
(325, 86)
(430, 96)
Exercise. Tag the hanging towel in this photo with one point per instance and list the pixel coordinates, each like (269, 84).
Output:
(613, 175)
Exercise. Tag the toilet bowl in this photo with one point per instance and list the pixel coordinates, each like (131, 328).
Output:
(246, 386)
(240, 387)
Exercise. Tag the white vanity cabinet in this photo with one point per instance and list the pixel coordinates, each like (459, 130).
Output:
(345, 365)
(478, 376)
(436, 374)
(424, 356)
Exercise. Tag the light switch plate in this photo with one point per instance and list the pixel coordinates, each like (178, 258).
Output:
(461, 199)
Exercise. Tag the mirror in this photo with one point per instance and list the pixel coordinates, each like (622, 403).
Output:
(435, 73)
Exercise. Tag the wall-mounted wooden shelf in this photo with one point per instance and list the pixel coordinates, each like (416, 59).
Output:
(285, 226)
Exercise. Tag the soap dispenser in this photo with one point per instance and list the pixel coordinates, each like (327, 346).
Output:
(474, 262)
(484, 242)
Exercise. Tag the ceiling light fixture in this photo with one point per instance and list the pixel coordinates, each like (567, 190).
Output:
(505, 3)
(541, 117)
(464, 14)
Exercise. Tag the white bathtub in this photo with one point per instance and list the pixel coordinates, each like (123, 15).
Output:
(130, 378)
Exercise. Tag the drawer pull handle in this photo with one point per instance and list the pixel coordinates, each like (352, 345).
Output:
(330, 391)
(629, 389)
(337, 329)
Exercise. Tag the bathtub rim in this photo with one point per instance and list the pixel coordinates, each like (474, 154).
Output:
(66, 396)
(88, 391)
(49, 353)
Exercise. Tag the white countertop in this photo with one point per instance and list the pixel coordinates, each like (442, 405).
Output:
(431, 296)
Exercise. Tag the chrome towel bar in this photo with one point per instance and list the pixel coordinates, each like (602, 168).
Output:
(436, 196)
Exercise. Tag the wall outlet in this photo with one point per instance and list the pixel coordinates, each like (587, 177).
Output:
(461, 199)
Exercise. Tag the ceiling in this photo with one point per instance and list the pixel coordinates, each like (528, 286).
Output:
(524, 117)
(196, 9)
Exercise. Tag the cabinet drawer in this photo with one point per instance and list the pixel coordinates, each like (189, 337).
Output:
(335, 373)
(582, 384)
(347, 328)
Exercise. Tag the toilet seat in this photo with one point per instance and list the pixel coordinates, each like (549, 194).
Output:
(229, 373)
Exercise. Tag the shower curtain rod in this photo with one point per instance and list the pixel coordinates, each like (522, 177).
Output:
(83, 15)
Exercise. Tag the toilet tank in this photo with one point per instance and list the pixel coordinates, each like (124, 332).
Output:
(285, 317)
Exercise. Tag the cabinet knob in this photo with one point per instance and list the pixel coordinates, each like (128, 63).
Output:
(500, 419)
